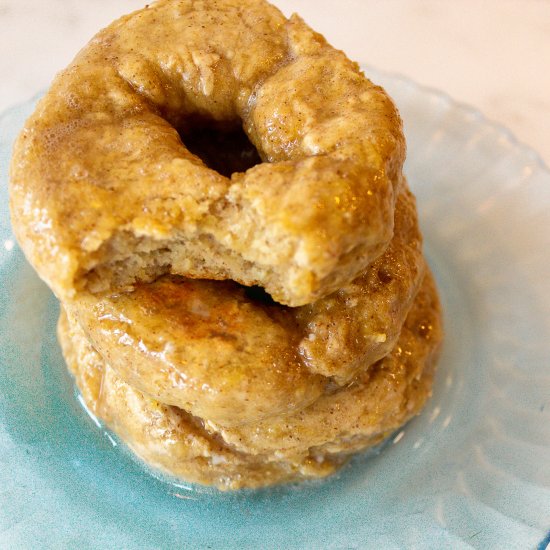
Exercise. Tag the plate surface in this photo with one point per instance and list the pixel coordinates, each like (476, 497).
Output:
(471, 472)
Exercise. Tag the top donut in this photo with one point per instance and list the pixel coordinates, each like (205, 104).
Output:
(104, 191)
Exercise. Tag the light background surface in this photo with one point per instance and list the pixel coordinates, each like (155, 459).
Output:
(491, 54)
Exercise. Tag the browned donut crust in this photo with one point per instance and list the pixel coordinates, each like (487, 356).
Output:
(311, 443)
(104, 192)
(220, 352)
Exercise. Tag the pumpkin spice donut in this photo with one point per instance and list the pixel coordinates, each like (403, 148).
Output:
(227, 353)
(105, 193)
(309, 444)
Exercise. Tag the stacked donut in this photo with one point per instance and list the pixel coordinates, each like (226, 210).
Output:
(241, 315)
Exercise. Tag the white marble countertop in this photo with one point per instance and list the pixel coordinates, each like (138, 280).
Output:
(493, 55)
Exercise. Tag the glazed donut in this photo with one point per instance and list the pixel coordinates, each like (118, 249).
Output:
(224, 354)
(104, 191)
(312, 443)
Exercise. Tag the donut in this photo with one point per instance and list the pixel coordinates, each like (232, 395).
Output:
(231, 355)
(105, 192)
(312, 443)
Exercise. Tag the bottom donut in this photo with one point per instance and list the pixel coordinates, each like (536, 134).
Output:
(311, 443)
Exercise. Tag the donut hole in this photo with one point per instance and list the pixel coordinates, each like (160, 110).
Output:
(225, 149)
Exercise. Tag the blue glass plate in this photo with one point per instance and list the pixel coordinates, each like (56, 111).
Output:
(473, 471)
